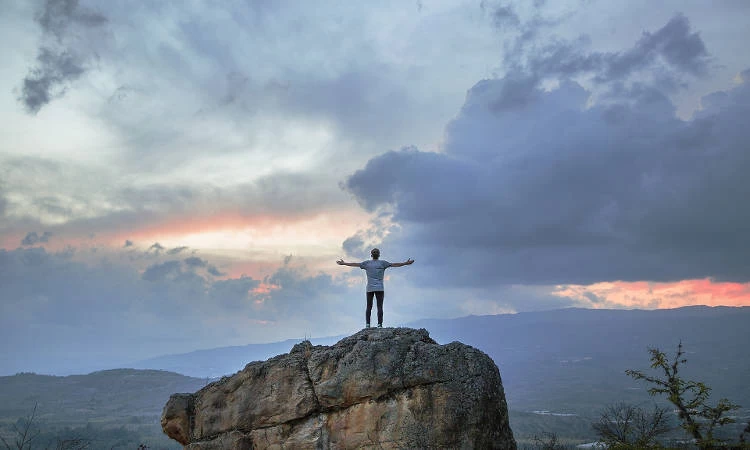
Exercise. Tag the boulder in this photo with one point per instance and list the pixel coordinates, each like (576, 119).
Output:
(379, 388)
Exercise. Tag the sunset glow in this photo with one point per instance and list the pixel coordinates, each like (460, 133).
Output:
(651, 295)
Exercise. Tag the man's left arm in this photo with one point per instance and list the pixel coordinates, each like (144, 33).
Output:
(341, 262)
(408, 262)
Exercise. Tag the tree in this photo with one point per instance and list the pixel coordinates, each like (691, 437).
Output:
(744, 432)
(697, 417)
(548, 441)
(24, 433)
(626, 426)
(72, 444)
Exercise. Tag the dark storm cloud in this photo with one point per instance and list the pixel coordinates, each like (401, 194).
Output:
(58, 15)
(175, 269)
(162, 271)
(176, 250)
(213, 270)
(669, 53)
(354, 245)
(63, 56)
(389, 179)
(32, 238)
(520, 34)
(300, 294)
(128, 243)
(194, 261)
(681, 49)
(505, 16)
(539, 187)
(364, 240)
(156, 247)
(673, 46)
(233, 294)
(48, 79)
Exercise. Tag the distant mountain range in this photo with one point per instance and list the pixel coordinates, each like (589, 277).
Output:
(559, 357)
(217, 362)
(570, 355)
(109, 409)
(559, 368)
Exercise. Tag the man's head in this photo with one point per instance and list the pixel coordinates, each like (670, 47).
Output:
(375, 253)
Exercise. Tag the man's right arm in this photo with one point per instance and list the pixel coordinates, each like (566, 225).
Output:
(342, 263)
(408, 262)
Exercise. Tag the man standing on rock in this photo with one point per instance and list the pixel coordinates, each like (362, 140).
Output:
(375, 269)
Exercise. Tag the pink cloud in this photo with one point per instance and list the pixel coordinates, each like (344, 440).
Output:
(651, 295)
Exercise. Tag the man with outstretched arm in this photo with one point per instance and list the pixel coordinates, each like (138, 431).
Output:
(375, 269)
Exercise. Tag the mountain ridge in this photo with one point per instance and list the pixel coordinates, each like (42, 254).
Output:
(559, 367)
(207, 363)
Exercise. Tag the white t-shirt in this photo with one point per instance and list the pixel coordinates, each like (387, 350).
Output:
(375, 269)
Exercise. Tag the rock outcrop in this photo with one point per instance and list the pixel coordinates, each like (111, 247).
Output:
(379, 388)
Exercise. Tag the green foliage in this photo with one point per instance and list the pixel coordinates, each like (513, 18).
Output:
(699, 419)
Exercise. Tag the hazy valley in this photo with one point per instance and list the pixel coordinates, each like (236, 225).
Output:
(559, 369)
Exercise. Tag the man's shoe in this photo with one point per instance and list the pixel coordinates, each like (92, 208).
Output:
(367, 325)
(380, 325)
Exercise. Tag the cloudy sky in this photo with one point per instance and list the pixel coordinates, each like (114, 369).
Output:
(182, 175)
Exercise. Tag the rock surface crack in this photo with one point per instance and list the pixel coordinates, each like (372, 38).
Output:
(306, 359)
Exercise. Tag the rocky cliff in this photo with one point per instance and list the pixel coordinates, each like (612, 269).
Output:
(379, 388)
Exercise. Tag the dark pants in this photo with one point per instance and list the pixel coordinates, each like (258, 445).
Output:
(379, 295)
